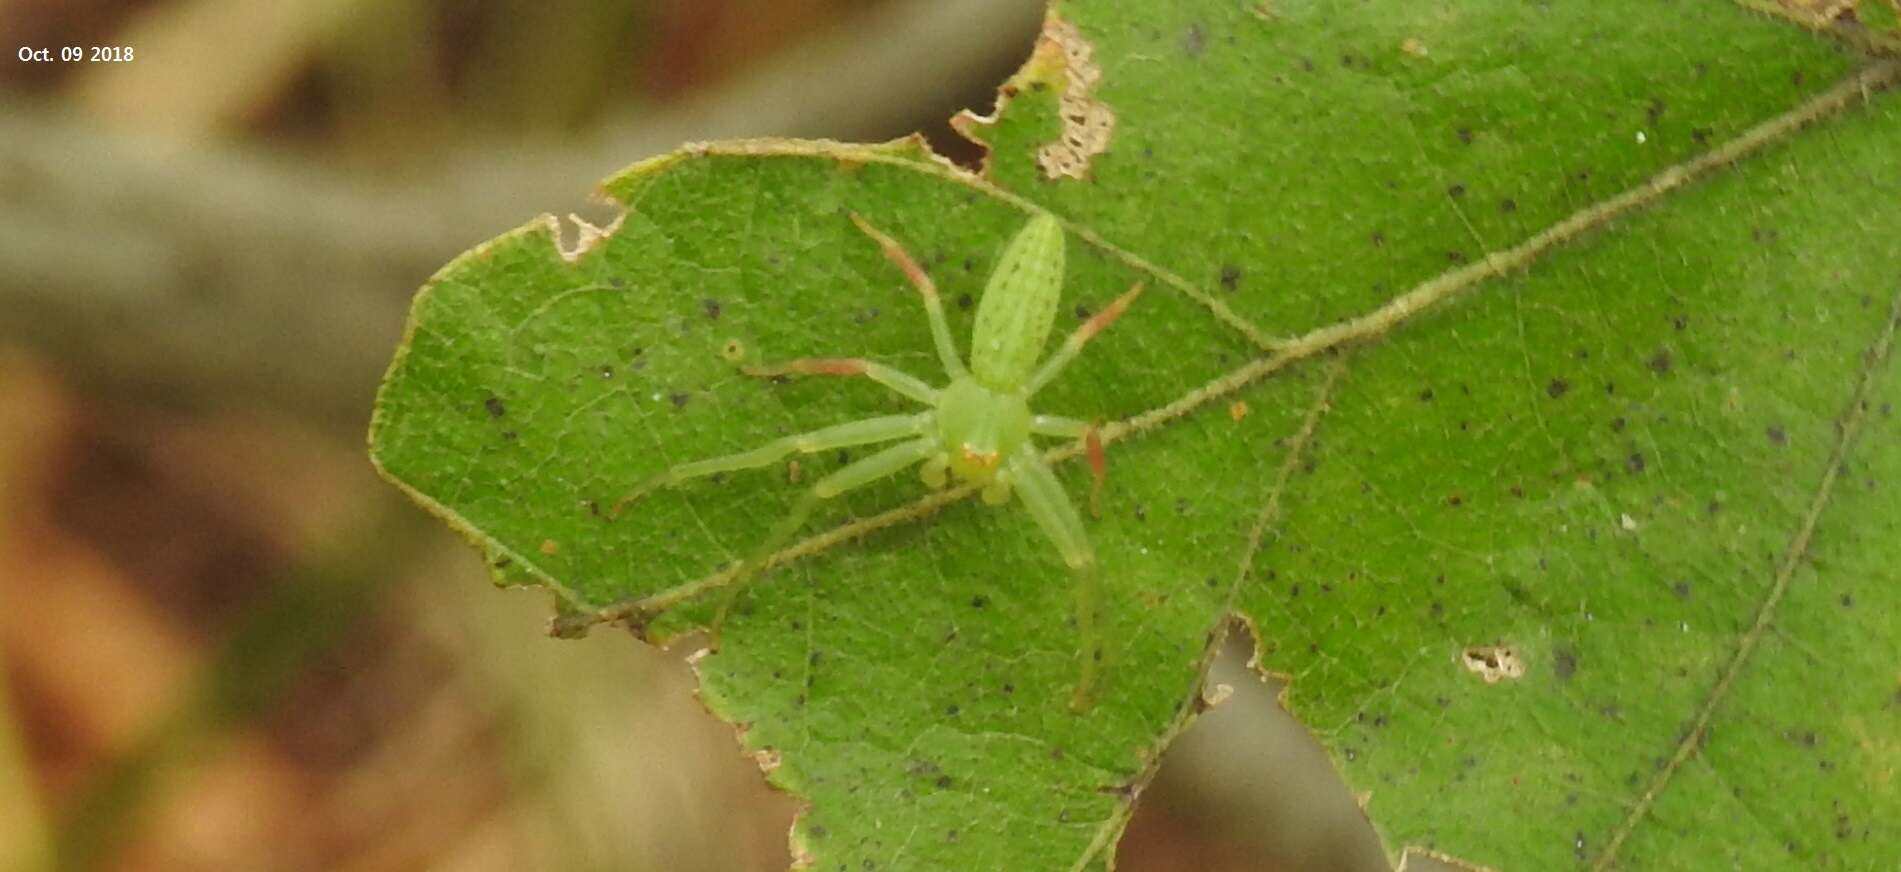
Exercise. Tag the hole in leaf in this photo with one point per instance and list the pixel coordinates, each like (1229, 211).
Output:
(1246, 786)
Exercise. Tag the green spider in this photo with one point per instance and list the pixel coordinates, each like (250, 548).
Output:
(978, 427)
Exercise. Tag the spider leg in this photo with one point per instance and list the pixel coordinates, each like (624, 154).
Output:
(933, 308)
(1074, 344)
(1086, 432)
(891, 377)
(1057, 425)
(1051, 509)
(883, 428)
(854, 475)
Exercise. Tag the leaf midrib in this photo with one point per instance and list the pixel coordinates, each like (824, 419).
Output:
(1426, 296)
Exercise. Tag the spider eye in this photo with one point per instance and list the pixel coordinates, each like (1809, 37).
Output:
(984, 460)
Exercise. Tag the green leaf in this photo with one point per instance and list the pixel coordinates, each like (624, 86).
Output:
(1549, 342)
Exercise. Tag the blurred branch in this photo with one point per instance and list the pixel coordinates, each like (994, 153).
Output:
(311, 608)
(22, 821)
(218, 273)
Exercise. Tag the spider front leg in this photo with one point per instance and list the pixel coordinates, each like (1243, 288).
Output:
(933, 307)
(1051, 509)
(854, 475)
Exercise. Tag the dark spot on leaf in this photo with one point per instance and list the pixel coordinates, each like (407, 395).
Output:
(1564, 662)
(979, 601)
(1082, 312)
(1700, 135)
(1194, 41)
(1776, 434)
(1617, 425)
(1681, 589)
(1379, 237)
(1635, 462)
(1764, 235)
(711, 307)
(1848, 601)
(1455, 501)
(495, 407)
(1508, 205)
(1797, 78)
(1455, 257)
(817, 831)
(607, 372)
(616, 282)
(963, 301)
(1141, 513)
(1557, 388)
(1661, 362)
(504, 562)
(1457, 190)
(1655, 110)
(950, 710)
(1230, 277)
(866, 316)
(1465, 135)
(1425, 396)
(679, 400)
(1009, 688)
(509, 436)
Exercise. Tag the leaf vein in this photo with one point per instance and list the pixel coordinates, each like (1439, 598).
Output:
(1849, 424)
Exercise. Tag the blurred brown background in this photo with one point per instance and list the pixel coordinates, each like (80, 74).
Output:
(225, 644)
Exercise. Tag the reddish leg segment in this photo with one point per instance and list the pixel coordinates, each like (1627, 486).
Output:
(1074, 344)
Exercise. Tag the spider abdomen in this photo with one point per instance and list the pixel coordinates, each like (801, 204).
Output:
(1019, 305)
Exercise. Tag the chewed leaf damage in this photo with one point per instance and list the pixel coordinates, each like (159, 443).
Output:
(1062, 59)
